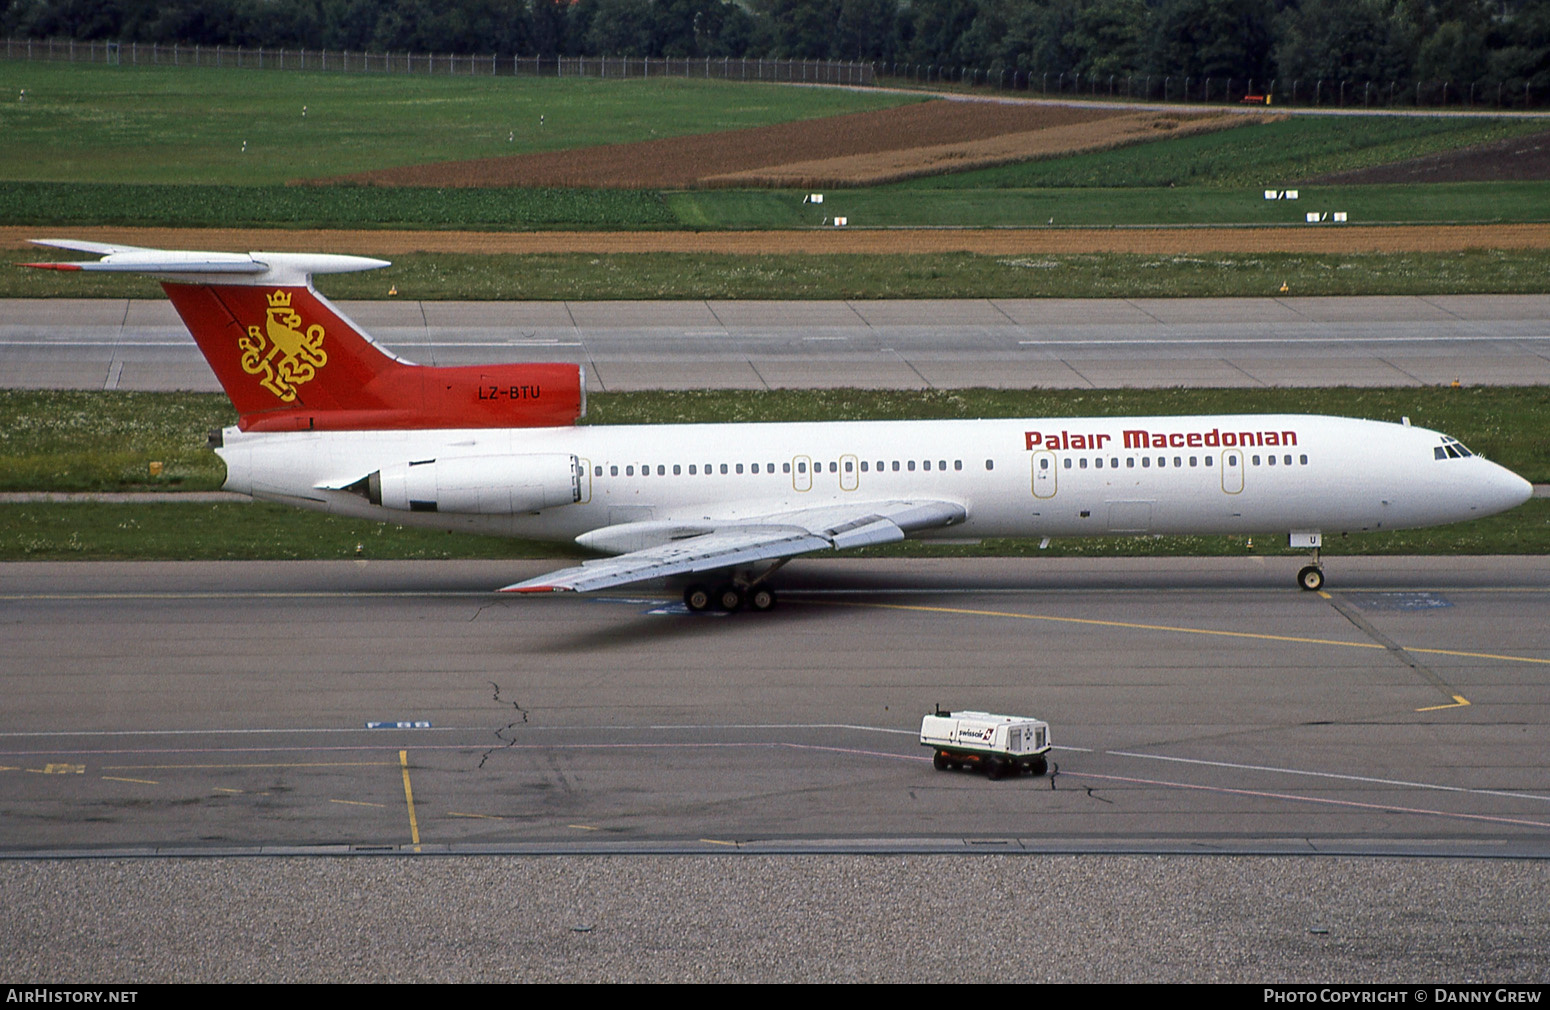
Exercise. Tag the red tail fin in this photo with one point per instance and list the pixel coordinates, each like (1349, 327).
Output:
(289, 360)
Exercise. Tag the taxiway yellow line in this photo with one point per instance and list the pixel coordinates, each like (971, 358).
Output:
(1253, 635)
(414, 824)
(1459, 701)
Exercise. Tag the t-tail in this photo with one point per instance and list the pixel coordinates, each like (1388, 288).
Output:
(291, 361)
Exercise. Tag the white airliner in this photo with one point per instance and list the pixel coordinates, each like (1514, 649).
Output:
(329, 420)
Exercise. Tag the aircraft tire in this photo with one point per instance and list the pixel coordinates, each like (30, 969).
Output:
(729, 598)
(761, 599)
(1311, 578)
(697, 597)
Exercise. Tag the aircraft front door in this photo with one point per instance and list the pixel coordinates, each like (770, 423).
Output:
(1232, 471)
(1044, 480)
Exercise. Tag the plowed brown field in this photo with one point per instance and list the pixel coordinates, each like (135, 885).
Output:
(1513, 159)
(999, 242)
(855, 149)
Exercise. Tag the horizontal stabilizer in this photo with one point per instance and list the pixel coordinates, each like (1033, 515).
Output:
(191, 266)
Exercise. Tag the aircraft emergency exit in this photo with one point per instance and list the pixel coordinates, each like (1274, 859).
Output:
(330, 420)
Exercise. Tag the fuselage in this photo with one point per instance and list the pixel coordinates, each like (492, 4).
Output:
(1014, 477)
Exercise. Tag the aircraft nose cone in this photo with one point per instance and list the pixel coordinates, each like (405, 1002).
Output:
(1507, 490)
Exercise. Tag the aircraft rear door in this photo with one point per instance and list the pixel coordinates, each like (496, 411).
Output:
(850, 473)
(801, 473)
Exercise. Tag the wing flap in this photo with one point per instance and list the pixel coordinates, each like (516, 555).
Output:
(746, 541)
(707, 552)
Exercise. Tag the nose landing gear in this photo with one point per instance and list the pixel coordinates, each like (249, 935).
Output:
(1311, 577)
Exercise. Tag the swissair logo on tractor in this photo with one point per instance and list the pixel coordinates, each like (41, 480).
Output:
(280, 352)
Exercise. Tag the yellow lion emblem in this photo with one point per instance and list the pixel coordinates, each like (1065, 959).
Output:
(284, 355)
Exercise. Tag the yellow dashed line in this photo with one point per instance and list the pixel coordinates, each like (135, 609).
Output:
(482, 817)
(584, 827)
(142, 782)
(358, 803)
(718, 841)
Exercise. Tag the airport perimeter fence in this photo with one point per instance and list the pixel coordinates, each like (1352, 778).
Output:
(149, 54)
(1320, 93)
(1178, 89)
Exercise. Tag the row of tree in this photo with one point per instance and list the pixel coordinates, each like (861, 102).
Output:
(1358, 40)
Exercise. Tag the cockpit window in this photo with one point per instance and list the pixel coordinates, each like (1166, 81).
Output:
(1451, 448)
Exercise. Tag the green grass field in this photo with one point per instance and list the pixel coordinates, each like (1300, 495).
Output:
(944, 275)
(96, 145)
(1277, 154)
(90, 123)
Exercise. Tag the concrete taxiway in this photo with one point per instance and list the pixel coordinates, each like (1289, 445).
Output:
(1197, 705)
(1052, 343)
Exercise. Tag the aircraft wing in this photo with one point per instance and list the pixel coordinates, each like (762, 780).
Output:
(712, 545)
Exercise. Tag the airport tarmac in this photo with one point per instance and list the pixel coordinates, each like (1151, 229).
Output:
(1196, 704)
(1051, 343)
(762, 773)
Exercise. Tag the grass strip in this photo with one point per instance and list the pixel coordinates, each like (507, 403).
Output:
(57, 205)
(88, 205)
(1032, 207)
(262, 532)
(587, 276)
(65, 440)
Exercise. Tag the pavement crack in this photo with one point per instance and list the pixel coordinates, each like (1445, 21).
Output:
(501, 732)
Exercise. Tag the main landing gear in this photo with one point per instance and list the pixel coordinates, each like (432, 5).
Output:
(738, 593)
(729, 597)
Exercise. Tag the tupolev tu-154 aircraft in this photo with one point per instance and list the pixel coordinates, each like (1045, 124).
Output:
(330, 420)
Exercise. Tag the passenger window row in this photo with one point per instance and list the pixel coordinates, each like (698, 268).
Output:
(833, 466)
(1162, 462)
